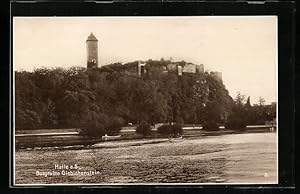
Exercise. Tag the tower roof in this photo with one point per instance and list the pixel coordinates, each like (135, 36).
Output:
(91, 37)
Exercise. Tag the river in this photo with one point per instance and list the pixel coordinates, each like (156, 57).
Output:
(249, 158)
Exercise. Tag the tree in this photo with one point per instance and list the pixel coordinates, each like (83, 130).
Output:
(172, 130)
(113, 125)
(240, 99)
(238, 119)
(93, 125)
(248, 104)
(113, 95)
(210, 126)
(236, 123)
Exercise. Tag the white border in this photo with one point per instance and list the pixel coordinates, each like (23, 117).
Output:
(11, 111)
(277, 102)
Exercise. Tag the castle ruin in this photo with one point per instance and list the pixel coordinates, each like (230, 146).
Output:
(141, 69)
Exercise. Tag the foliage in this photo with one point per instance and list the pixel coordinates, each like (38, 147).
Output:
(235, 124)
(164, 129)
(177, 129)
(114, 125)
(210, 126)
(105, 99)
(144, 129)
(92, 126)
(244, 114)
(170, 129)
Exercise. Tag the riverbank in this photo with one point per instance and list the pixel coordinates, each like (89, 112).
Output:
(136, 139)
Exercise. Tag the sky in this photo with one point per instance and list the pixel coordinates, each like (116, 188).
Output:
(243, 48)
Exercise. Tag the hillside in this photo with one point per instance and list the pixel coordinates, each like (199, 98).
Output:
(115, 95)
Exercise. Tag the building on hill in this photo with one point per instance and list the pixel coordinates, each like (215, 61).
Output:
(92, 51)
(172, 67)
(175, 67)
(189, 68)
(179, 70)
(141, 68)
(199, 68)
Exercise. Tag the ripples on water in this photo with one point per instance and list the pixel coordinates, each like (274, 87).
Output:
(235, 158)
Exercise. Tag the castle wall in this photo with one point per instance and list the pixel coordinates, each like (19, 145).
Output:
(200, 68)
(189, 68)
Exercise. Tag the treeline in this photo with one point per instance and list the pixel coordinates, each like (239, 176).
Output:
(243, 113)
(108, 98)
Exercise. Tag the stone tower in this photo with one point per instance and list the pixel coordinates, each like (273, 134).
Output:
(92, 51)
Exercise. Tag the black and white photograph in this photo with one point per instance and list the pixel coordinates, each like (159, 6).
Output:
(164, 100)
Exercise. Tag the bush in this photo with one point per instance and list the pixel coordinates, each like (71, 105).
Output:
(260, 122)
(236, 124)
(96, 125)
(177, 129)
(144, 129)
(179, 121)
(164, 129)
(113, 126)
(92, 130)
(170, 129)
(211, 126)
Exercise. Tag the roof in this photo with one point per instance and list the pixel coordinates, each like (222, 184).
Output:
(92, 37)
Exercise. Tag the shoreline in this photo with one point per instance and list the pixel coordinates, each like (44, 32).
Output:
(115, 143)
